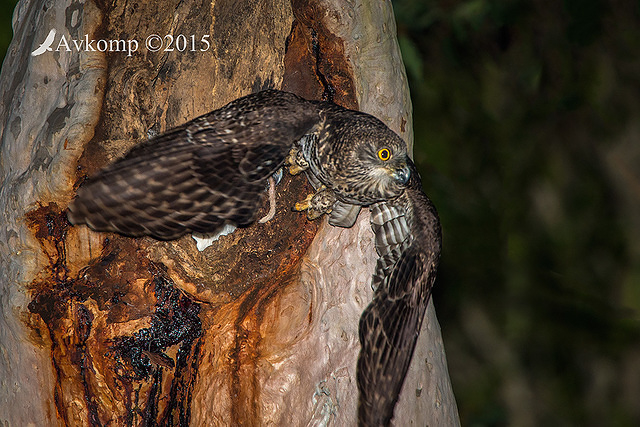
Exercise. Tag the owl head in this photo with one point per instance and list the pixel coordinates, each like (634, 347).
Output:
(365, 161)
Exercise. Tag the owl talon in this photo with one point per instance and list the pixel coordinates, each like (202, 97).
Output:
(296, 161)
(317, 204)
(295, 169)
(304, 205)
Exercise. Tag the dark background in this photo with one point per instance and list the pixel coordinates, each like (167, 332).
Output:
(527, 136)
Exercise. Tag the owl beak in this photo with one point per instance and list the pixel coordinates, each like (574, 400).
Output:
(402, 175)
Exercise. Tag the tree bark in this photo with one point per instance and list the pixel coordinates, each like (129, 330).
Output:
(261, 327)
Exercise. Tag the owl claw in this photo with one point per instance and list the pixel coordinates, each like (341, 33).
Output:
(317, 204)
(296, 162)
(295, 169)
(304, 205)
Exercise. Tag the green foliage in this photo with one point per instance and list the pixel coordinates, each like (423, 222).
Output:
(522, 110)
(6, 8)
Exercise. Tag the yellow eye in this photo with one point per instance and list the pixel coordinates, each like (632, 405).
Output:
(384, 154)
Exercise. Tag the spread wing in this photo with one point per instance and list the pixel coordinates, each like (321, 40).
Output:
(407, 232)
(198, 176)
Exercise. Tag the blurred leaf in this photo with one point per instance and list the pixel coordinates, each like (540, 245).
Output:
(6, 32)
(411, 57)
(518, 107)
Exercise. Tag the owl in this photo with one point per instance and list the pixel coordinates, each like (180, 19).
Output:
(212, 171)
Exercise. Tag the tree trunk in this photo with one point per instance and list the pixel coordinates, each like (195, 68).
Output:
(259, 328)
